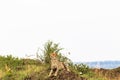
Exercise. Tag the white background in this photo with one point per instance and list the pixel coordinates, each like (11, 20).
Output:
(88, 29)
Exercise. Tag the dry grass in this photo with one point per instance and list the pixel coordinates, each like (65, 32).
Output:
(107, 74)
(21, 74)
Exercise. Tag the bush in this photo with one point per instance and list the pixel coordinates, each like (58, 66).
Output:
(49, 48)
(82, 68)
(10, 62)
(79, 68)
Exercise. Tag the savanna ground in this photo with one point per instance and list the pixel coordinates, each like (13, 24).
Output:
(12, 68)
(28, 69)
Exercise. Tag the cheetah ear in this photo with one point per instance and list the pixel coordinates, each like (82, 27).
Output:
(53, 55)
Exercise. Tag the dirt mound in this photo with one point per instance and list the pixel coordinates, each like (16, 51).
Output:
(111, 74)
(65, 75)
(117, 70)
(62, 75)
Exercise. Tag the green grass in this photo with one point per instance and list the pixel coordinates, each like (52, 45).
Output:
(29, 70)
(12, 68)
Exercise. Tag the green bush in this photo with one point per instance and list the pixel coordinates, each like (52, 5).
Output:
(79, 68)
(49, 48)
(82, 68)
(10, 61)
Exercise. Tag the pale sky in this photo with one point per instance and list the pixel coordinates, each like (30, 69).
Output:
(88, 29)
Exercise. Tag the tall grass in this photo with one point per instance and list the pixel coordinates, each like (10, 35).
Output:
(12, 68)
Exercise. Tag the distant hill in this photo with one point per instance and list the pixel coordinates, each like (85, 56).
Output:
(103, 64)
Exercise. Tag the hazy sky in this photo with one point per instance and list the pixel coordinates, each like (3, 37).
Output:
(88, 29)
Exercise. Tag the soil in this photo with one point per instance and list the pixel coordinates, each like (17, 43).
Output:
(62, 75)
(65, 75)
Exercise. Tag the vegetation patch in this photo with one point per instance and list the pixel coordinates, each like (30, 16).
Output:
(12, 68)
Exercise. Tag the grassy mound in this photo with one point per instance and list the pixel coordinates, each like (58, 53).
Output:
(65, 75)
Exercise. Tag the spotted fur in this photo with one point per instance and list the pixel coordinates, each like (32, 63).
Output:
(56, 64)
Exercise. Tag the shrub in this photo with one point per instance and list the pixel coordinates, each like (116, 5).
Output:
(79, 68)
(82, 68)
(10, 61)
(49, 48)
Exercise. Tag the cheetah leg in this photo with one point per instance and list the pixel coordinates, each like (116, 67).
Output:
(56, 72)
(67, 68)
(51, 71)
